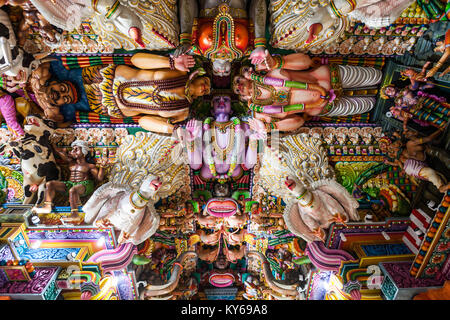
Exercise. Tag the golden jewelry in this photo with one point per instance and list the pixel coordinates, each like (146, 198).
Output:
(134, 205)
(309, 203)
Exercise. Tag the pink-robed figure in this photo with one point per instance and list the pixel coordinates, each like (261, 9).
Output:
(294, 89)
(218, 147)
(315, 210)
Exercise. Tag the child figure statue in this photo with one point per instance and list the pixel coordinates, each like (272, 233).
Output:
(80, 183)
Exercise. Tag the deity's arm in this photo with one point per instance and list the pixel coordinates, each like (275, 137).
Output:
(150, 61)
(62, 154)
(192, 136)
(40, 75)
(296, 61)
(98, 174)
(195, 153)
(188, 10)
(251, 156)
(258, 13)
(290, 123)
(427, 139)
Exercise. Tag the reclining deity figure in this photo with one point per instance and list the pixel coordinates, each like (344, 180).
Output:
(218, 147)
(411, 157)
(285, 91)
(222, 30)
(133, 22)
(161, 89)
(14, 61)
(299, 173)
(309, 24)
(80, 183)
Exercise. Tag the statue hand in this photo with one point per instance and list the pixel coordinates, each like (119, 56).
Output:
(193, 127)
(258, 55)
(247, 72)
(103, 162)
(181, 49)
(184, 62)
(259, 128)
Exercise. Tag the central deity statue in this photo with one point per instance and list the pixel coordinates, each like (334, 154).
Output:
(294, 85)
(218, 147)
(223, 30)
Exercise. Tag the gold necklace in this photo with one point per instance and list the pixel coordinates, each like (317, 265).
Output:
(222, 153)
(276, 96)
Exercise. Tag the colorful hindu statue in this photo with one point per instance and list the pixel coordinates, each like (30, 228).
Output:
(314, 200)
(286, 95)
(413, 102)
(221, 221)
(223, 31)
(307, 25)
(112, 17)
(161, 89)
(80, 183)
(218, 147)
(411, 157)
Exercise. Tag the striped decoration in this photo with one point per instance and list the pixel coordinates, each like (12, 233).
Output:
(76, 62)
(326, 259)
(376, 62)
(437, 225)
(361, 118)
(114, 259)
(91, 117)
(419, 221)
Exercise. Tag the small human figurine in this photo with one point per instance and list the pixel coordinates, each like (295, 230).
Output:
(412, 102)
(161, 89)
(80, 183)
(411, 158)
(287, 95)
(443, 47)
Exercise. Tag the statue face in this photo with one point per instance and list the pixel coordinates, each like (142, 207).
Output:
(200, 87)
(221, 67)
(60, 93)
(290, 183)
(76, 152)
(221, 104)
(241, 86)
(155, 184)
(390, 91)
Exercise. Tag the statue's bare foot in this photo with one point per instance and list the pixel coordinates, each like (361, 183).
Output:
(339, 218)
(319, 233)
(124, 236)
(444, 188)
(103, 223)
(314, 31)
(46, 207)
(74, 218)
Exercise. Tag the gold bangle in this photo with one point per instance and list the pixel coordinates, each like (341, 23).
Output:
(309, 203)
(302, 195)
